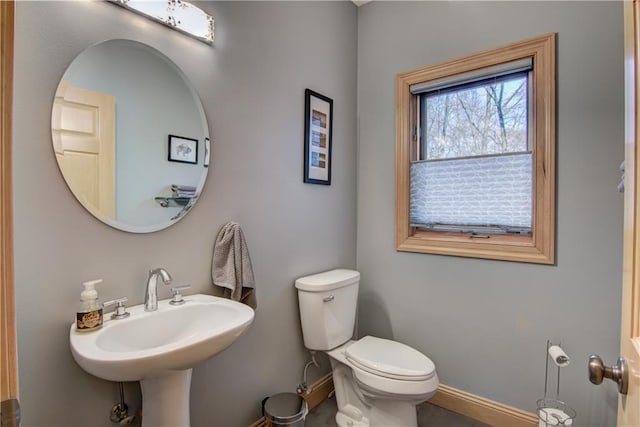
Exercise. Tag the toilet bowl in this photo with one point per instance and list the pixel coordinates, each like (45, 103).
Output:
(378, 382)
(389, 368)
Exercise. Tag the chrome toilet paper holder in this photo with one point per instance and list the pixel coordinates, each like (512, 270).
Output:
(554, 412)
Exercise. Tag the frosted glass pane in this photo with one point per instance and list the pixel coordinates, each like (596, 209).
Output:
(177, 14)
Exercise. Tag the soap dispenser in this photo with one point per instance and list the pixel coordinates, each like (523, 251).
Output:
(89, 314)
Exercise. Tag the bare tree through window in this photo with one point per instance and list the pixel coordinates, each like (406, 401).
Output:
(480, 118)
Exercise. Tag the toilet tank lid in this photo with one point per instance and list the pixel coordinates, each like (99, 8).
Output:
(328, 280)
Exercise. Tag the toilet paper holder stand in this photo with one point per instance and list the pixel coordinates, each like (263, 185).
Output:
(554, 412)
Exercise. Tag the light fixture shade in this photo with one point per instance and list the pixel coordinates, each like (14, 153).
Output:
(177, 14)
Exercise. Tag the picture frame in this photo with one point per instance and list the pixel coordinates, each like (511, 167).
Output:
(183, 150)
(207, 151)
(318, 129)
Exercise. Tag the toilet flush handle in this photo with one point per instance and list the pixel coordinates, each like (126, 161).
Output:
(328, 299)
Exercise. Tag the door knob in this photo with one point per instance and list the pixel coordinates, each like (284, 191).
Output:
(618, 373)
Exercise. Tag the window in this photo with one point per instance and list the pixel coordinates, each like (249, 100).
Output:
(475, 155)
(475, 118)
(479, 126)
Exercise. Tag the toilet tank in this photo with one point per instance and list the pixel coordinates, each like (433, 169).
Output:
(328, 307)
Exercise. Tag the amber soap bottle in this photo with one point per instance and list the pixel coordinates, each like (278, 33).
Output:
(89, 314)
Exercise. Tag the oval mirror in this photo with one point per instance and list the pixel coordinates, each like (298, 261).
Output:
(130, 136)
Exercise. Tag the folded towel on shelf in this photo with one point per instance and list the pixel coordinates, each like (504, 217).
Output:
(231, 266)
(183, 190)
(177, 187)
(183, 194)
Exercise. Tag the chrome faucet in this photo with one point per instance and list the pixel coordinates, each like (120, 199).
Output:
(151, 293)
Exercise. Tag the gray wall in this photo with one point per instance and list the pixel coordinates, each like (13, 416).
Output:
(485, 323)
(251, 83)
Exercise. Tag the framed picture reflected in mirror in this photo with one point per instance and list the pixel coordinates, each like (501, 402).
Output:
(183, 150)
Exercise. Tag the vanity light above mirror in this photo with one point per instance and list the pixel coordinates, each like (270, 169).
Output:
(177, 14)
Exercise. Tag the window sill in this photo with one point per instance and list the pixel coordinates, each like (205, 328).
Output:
(497, 247)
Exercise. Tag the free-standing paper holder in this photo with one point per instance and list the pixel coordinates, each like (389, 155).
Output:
(554, 412)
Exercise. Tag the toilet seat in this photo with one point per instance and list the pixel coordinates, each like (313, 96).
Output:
(390, 359)
(414, 388)
(376, 384)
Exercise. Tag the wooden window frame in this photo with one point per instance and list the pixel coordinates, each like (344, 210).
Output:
(539, 247)
(8, 338)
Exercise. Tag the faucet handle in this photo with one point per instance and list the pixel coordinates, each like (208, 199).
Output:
(121, 311)
(177, 296)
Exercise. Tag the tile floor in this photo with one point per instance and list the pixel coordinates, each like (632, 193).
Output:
(428, 416)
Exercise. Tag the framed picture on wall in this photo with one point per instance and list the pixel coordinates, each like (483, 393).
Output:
(183, 150)
(207, 148)
(318, 125)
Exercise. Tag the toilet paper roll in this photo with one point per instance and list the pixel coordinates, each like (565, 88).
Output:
(558, 356)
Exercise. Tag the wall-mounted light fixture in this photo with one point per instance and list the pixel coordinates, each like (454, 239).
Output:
(177, 14)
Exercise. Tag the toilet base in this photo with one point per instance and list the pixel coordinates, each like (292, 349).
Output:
(360, 409)
(404, 415)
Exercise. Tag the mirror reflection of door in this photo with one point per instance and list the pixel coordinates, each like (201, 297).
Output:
(83, 130)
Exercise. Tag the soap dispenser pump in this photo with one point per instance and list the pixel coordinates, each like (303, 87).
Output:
(89, 314)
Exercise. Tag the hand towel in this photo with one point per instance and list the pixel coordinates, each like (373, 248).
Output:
(231, 265)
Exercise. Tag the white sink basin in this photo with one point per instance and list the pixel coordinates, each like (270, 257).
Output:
(152, 344)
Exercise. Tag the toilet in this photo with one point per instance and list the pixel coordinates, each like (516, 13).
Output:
(378, 382)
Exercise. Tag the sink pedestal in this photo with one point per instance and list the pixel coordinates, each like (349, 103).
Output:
(165, 400)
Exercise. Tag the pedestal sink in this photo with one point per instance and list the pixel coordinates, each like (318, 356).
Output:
(160, 348)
